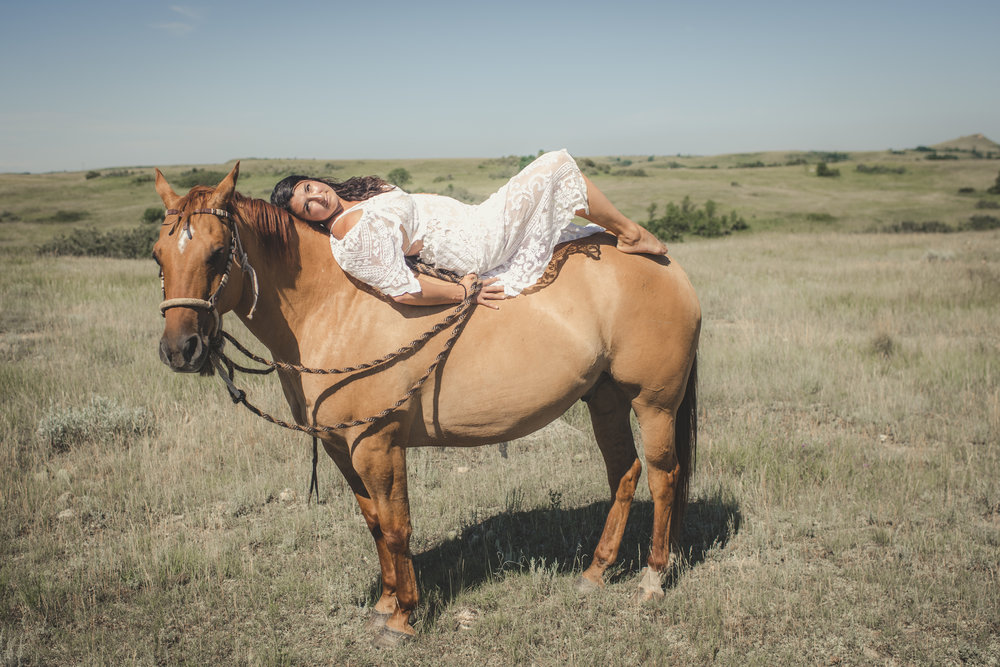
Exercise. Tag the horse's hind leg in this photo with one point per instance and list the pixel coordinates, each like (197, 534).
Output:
(664, 474)
(609, 414)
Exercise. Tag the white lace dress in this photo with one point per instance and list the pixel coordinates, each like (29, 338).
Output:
(510, 236)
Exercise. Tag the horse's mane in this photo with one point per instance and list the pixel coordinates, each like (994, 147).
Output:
(275, 227)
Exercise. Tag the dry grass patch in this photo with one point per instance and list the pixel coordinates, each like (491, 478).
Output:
(845, 507)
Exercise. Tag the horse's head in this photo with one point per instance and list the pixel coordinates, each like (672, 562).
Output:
(198, 250)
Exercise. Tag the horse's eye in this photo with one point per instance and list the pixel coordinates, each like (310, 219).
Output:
(218, 257)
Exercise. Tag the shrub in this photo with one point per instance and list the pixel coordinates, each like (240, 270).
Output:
(153, 215)
(981, 223)
(104, 418)
(591, 168)
(879, 169)
(823, 171)
(525, 160)
(910, 227)
(67, 216)
(987, 203)
(884, 346)
(688, 218)
(129, 244)
(995, 188)
(92, 174)
(189, 179)
(399, 177)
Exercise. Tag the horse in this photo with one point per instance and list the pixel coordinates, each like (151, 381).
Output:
(618, 331)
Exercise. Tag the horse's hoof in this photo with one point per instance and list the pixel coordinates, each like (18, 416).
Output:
(585, 586)
(389, 638)
(650, 587)
(376, 621)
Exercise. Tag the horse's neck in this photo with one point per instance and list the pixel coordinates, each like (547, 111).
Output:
(292, 288)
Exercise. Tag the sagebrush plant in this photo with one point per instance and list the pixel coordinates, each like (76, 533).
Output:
(103, 418)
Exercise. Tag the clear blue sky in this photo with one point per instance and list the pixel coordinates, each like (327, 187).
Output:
(106, 83)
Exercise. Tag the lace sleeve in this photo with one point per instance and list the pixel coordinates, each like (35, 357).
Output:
(372, 252)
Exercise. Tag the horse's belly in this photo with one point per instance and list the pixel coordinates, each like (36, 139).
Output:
(500, 408)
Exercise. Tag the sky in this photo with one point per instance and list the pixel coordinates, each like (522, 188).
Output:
(116, 83)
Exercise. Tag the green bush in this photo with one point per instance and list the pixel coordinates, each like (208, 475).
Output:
(592, 168)
(910, 227)
(995, 188)
(688, 218)
(88, 242)
(92, 174)
(832, 156)
(879, 169)
(189, 179)
(399, 177)
(67, 216)
(823, 171)
(981, 223)
(153, 215)
(104, 418)
(987, 203)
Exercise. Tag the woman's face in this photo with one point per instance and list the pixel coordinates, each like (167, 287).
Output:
(314, 201)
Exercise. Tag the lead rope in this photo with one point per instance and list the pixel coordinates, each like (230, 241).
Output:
(218, 358)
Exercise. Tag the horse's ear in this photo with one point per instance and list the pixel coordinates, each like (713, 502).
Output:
(166, 192)
(224, 190)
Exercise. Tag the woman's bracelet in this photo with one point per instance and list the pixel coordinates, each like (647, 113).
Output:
(465, 293)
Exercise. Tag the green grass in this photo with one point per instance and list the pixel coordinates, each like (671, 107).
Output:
(845, 508)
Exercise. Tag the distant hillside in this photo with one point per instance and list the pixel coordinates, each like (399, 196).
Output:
(973, 142)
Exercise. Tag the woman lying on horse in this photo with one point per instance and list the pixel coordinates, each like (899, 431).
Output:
(506, 240)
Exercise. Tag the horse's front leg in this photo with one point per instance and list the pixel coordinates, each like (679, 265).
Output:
(386, 604)
(381, 464)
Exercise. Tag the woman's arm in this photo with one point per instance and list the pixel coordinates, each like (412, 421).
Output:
(436, 292)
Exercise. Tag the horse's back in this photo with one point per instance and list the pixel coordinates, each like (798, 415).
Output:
(603, 312)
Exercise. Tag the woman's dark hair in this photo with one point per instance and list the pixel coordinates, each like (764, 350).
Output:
(358, 188)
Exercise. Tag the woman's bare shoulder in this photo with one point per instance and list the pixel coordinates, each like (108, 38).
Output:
(345, 223)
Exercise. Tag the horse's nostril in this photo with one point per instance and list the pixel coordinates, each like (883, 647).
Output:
(192, 348)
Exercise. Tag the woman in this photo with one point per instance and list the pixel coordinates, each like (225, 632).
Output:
(507, 240)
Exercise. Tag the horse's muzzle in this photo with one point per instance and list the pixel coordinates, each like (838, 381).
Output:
(185, 353)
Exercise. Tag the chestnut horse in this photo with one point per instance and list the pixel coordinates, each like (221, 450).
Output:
(618, 331)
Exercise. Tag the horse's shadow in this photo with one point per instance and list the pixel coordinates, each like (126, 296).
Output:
(560, 540)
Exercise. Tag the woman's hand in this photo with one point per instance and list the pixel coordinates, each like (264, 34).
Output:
(490, 292)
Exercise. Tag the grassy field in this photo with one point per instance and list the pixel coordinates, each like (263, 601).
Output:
(845, 509)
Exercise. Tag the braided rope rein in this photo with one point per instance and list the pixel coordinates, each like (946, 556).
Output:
(458, 317)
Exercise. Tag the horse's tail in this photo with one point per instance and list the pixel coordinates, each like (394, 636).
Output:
(685, 447)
